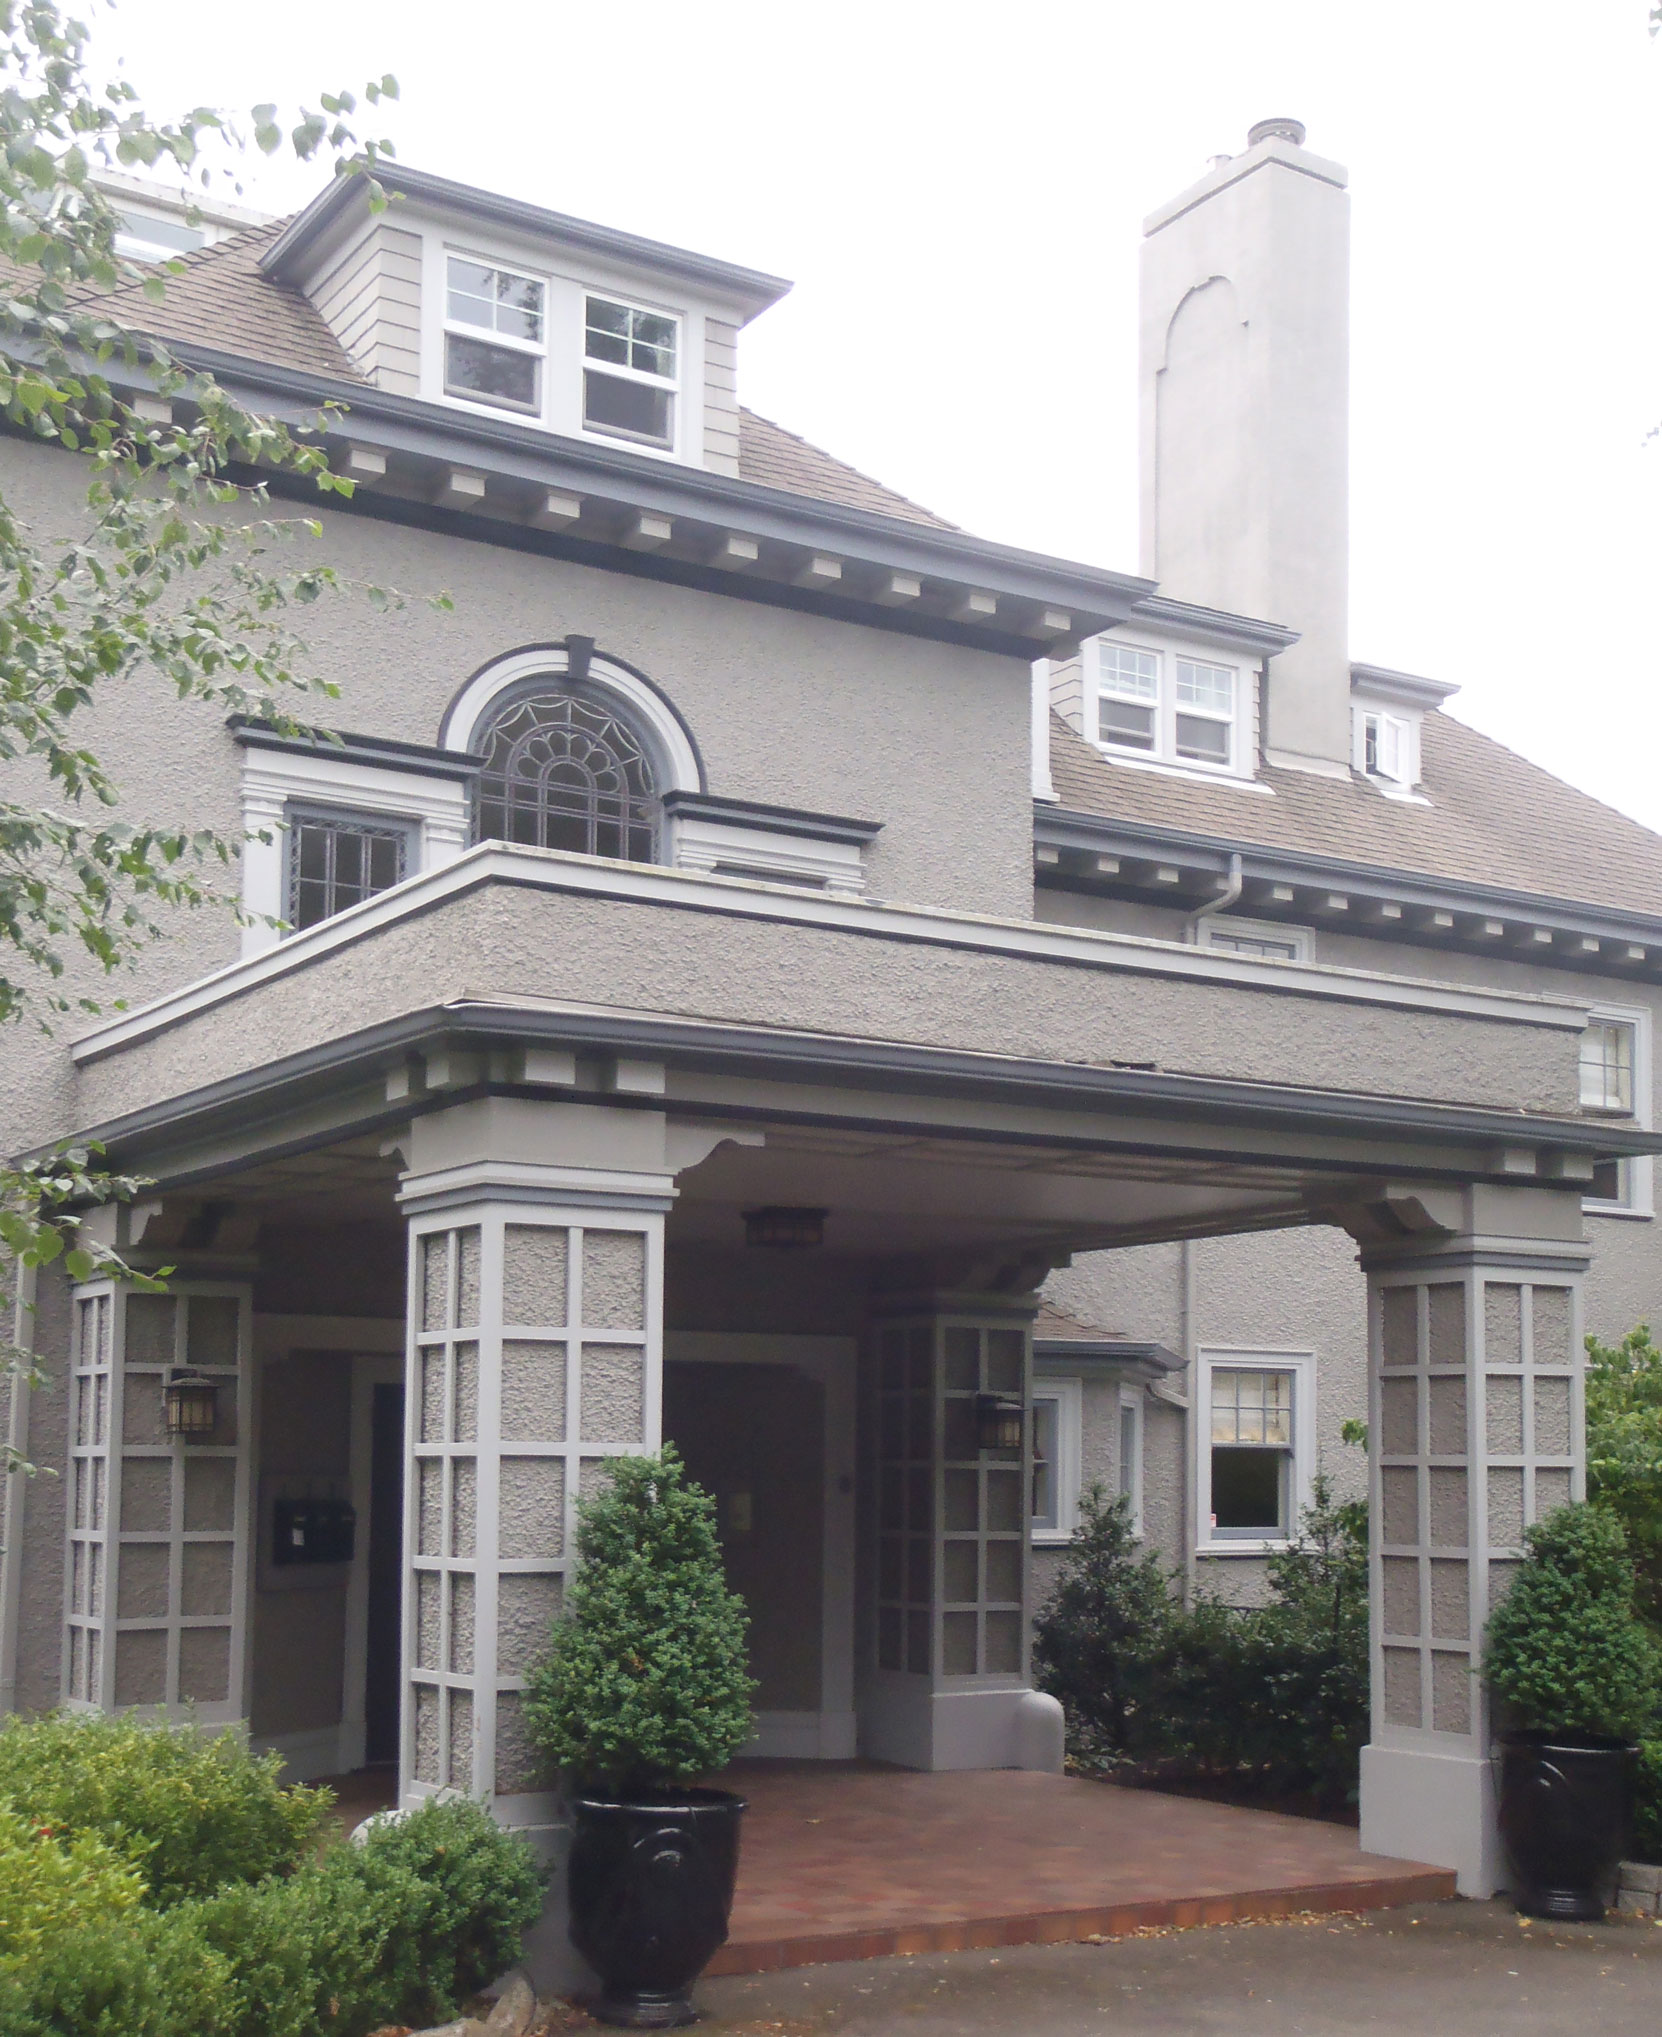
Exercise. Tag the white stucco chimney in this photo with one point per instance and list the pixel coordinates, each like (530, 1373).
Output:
(1244, 388)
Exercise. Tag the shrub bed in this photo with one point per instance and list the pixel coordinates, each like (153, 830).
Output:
(108, 1928)
(1272, 1696)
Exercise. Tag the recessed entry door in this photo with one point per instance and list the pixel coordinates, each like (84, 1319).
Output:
(754, 1436)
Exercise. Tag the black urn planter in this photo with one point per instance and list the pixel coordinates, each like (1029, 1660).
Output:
(651, 1887)
(1564, 1816)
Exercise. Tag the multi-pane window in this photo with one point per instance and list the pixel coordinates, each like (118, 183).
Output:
(336, 861)
(565, 771)
(1607, 1066)
(1205, 718)
(505, 368)
(629, 372)
(1609, 1086)
(1129, 706)
(1251, 1452)
(1182, 709)
(1265, 942)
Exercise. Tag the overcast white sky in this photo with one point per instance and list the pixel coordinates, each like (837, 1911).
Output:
(957, 190)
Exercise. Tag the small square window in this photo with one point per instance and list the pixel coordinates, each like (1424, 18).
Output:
(487, 374)
(336, 862)
(627, 410)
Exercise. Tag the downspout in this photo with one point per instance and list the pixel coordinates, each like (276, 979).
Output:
(1227, 897)
(15, 1490)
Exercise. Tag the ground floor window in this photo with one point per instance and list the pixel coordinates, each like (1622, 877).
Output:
(1252, 1472)
(1057, 1423)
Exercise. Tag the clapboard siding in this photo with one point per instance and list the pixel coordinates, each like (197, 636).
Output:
(369, 293)
(1067, 691)
(721, 397)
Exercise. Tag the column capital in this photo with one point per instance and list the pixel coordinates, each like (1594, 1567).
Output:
(1405, 1225)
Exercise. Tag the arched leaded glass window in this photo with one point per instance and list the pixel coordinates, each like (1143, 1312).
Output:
(564, 771)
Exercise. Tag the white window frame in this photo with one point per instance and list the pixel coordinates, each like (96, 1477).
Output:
(672, 385)
(1132, 1402)
(438, 811)
(1404, 729)
(1068, 1394)
(1637, 1175)
(1162, 753)
(1214, 932)
(537, 350)
(1302, 1365)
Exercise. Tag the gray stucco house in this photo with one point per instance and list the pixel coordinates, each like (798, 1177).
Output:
(768, 969)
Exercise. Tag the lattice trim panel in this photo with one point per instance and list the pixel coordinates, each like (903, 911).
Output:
(1477, 1412)
(535, 1353)
(156, 1580)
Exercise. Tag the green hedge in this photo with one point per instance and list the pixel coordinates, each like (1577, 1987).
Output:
(191, 1811)
(333, 1939)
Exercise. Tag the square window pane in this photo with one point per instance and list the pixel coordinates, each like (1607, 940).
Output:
(1202, 741)
(1208, 686)
(629, 410)
(1607, 1066)
(601, 315)
(1126, 725)
(1128, 671)
(1248, 1491)
(490, 374)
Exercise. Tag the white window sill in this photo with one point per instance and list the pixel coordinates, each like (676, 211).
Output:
(1191, 774)
(1617, 1209)
(1242, 1548)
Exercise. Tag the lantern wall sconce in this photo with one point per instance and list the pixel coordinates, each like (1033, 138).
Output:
(782, 1227)
(191, 1406)
(998, 1422)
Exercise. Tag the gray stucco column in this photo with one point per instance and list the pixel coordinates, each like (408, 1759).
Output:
(535, 1352)
(1475, 1433)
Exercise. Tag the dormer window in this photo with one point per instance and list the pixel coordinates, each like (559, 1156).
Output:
(505, 369)
(629, 372)
(1387, 746)
(1166, 705)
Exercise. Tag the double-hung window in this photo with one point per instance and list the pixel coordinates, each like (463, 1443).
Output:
(1166, 706)
(494, 335)
(1615, 1083)
(1253, 1449)
(630, 371)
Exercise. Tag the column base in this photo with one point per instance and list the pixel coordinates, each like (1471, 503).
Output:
(942, 1729)
(1420, 1804)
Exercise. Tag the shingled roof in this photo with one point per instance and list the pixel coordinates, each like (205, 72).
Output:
(1490, 817)
(224, 300)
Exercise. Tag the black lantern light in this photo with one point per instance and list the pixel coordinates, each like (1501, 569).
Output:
(191, 1405)
(785, 1228)
(997, 1422)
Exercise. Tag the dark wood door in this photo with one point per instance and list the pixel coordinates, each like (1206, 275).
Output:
(754, 1436)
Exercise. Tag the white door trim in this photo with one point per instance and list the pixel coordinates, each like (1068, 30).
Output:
(829, 1734)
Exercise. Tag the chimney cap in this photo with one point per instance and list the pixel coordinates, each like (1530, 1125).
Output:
(1276, 130)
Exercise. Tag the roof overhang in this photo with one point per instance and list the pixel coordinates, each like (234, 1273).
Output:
(1400, 689)
(1211, 626)
(507, 483)
(1182, 869)
(751, 290)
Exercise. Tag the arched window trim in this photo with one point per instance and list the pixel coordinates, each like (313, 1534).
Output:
(489, 693)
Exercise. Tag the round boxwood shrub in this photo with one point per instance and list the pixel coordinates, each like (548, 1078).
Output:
(646, 1679)
(1565, 1649)
(51, 1883)
(190, 1810)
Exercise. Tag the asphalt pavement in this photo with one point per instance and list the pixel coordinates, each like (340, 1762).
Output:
(1447, 1970)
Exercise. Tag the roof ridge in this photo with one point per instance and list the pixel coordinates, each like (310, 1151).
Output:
(848, 466)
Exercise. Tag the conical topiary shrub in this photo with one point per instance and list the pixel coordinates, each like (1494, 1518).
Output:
(646, 1680)
(1578, 1672)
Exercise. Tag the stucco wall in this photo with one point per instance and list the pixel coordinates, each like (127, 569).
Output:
(40, 1623)
(787, 708)
(502, 940)
(1302, 1289)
